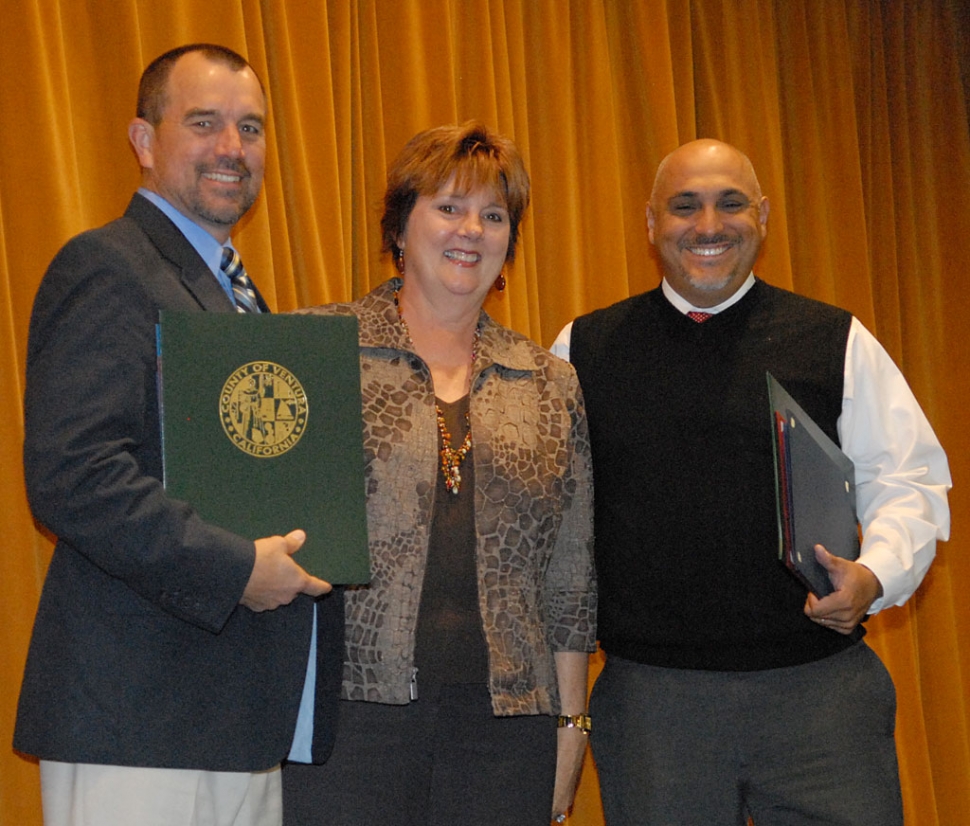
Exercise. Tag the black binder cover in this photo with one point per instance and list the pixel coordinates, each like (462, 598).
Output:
(815, 484)
(262, 430)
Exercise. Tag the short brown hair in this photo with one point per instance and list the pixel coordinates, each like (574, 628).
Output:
(154, 80)
(474, 154)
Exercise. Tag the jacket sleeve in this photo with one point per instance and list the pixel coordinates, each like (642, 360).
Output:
(570, 582)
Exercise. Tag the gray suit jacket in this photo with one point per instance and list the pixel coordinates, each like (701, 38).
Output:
(141, 654)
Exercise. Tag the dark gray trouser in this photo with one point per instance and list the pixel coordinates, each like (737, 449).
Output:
(436, 762)
(811, 744)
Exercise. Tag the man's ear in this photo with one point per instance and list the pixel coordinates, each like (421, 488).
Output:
(650, 222)
(141, 135)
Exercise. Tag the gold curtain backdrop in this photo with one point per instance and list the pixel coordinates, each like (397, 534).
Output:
(853, 111)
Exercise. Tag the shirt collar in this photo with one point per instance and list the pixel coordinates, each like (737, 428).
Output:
(684, 306)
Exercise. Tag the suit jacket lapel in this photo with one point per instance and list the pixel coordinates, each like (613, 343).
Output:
(196, 277)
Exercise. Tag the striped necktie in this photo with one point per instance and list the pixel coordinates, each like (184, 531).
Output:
(242, 287)
(699, 317)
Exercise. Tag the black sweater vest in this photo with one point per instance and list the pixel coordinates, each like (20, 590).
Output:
(686, 524)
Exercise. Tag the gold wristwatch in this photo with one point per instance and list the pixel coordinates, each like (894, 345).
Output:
(581, 721)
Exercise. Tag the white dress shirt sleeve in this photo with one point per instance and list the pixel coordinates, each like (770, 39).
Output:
(902, 475)
(560, 347)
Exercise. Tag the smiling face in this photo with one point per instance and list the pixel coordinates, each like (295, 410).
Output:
(707, 219)
(455, 241)
(206, 155)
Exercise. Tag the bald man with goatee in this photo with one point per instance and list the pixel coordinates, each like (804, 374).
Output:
(729, 691)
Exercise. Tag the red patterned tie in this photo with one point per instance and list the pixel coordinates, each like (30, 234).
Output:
(699, 317)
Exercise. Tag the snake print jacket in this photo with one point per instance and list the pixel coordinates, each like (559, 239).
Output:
(533, 510)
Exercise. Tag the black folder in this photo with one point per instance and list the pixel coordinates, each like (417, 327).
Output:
(262, 430)
(815, 485)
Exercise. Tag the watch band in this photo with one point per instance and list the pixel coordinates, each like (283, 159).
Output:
(581, 721)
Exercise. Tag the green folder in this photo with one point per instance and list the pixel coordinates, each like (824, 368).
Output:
(262, 430)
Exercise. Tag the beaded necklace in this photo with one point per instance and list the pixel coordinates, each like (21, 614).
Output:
(451, 457)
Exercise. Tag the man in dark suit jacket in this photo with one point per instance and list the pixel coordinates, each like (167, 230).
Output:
(168, 661)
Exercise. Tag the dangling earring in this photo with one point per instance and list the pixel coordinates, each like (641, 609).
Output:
(399, 260)
(500, 282)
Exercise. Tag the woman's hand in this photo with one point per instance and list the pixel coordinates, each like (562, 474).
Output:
(571, 671)
(569, 763)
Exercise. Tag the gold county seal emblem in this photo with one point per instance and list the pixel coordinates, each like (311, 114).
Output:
(263, 409)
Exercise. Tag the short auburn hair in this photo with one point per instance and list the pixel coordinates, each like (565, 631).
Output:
(475, 155)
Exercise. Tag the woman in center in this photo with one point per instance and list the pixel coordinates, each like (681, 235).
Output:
(466, 656)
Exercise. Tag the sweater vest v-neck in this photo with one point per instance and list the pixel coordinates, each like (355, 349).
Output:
(686, 522)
